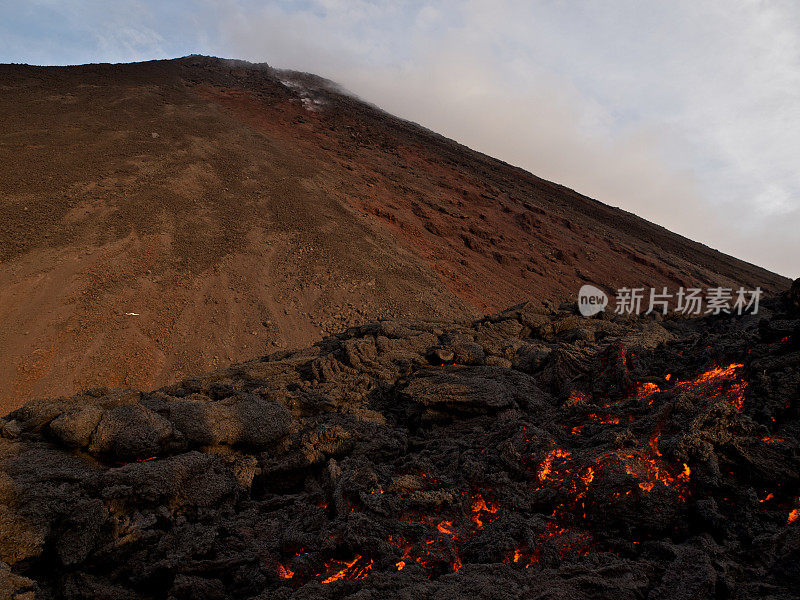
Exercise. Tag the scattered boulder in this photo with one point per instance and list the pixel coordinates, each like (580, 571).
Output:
(246, 420)
(130, 432)
(75, 426)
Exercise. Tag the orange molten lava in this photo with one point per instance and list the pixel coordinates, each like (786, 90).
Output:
(479, 507)
(457, 564)
(432, 554)
(588, 477)
(560, 470)
(576, 397)
(546, 467)
(719, 381)
(446, 527)
(652, 470)
(794, 515)
(285, 573)
(645, 390)
(355, 569)
(608, 420)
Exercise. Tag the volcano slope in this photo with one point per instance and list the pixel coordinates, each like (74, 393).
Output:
(174, 217)
(532, 454)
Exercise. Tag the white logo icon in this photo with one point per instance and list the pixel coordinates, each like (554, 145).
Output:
(591, 300)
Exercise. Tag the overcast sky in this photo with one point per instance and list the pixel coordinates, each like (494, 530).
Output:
(684, 112)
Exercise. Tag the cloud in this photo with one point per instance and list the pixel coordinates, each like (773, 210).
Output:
(54, 32)
(683, 113)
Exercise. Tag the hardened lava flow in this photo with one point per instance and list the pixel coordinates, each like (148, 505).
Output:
(530, 454)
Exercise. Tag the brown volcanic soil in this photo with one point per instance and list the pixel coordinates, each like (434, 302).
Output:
(176, 216)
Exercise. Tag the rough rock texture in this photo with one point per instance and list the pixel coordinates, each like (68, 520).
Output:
(532, 454)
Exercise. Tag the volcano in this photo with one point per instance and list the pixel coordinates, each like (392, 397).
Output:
(248, 356)
(531, 454)
(173, 217)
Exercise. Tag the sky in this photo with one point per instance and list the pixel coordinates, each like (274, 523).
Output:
(686, 113)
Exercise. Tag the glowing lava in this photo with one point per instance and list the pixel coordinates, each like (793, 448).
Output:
(722, 382)
(607, 420)
(651, 470)
(446, 527)
(480, 509)
(354, 569)
(438, 549)
(358, 568)
(285, 573)
(645, 390)
(794, 515)
(547, 464)
(576, 397)
(772, 440)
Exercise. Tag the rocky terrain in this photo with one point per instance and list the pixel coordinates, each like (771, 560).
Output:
(173, 217)
(531, 454)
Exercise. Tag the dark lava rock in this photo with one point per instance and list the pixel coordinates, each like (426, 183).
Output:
(76, 426)
(794, 295)
(533, 454)
(129, 432)
(249, 421)
(440, 356)
(485, 390)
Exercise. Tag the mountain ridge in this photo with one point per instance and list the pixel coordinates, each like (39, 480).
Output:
(172, 217)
